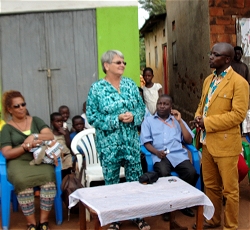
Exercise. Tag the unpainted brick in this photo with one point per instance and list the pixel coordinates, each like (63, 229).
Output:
(247, 3)
(212, 44)
(215, 11)
(245, 12)
(223, 20)
(233, 39)
(230, 29)
(213, 38)
(211, 2)
(217, 29)
(238, 3)
(212, 20)
(231, 11)
(224, 38)
(222, 3)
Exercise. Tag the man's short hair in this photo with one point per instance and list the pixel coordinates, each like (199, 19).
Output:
(238, 48)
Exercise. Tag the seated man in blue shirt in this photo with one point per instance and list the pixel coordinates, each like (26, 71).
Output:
(162, 134)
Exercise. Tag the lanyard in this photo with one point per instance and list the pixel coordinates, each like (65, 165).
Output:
(171, 126)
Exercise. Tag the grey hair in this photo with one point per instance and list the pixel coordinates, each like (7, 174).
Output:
(109, 56)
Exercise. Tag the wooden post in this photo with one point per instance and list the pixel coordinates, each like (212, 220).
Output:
(199, 217)
(82, 216)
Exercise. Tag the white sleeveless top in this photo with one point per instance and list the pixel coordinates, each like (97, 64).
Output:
(151, 96)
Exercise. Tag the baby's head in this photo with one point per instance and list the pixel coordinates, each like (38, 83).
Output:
(64, 111)
(78, 123)
(56, 120)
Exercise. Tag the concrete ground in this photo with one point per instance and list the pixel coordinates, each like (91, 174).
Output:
(18, 222)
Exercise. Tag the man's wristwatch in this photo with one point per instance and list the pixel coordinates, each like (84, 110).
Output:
(35, 135)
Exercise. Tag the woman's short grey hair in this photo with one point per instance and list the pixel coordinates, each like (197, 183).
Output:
(109, 56)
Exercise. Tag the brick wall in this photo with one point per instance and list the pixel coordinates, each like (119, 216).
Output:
(223, 15)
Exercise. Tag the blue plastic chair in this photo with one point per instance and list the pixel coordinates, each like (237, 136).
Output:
(7, 194)
(195, 161)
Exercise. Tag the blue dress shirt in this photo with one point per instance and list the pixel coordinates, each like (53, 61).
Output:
(162, 136)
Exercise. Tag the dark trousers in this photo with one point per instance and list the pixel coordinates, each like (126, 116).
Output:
(185, 170)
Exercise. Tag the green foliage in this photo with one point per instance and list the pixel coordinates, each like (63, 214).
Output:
(154, 7)
(142, 54)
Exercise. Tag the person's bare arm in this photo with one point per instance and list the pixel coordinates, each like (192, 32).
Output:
(161, 154)
(160, 92)
(10, 153)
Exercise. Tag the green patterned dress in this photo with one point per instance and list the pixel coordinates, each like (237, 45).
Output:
(117, 143)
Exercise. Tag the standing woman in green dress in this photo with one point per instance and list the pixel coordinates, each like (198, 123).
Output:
(21, 133)
(115, 109)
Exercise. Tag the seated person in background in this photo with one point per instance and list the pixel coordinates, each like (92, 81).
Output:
(87, 125)
(64, 111)
(162, 134)
(78, 123)
(62, 137)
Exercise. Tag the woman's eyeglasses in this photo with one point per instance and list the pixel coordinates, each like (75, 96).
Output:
(19, 105)
(119, 62)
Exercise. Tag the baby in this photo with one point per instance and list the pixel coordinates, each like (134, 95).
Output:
(47, 153)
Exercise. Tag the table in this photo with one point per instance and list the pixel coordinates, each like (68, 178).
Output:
(132, 200)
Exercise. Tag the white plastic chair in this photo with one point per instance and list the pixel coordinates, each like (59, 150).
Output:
(85, 142)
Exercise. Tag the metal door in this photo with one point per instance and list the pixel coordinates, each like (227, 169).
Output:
(50, 57)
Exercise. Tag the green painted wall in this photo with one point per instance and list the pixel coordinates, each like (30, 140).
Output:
(117, 29)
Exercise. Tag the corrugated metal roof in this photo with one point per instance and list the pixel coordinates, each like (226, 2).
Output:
(151, 22)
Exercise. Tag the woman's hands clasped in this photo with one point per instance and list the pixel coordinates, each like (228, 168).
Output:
(126, 117)
(30, 143)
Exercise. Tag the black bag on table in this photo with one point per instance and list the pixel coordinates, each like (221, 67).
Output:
(149, 178)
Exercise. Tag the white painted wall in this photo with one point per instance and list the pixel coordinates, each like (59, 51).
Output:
(18, 6)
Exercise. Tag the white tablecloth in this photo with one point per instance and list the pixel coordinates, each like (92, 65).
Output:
(131, 199)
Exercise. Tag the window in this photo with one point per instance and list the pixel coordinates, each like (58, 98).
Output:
(173, 25)
(156, 57)
(174, 54)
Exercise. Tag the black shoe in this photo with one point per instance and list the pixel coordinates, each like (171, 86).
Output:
(207, 226)
(43, 226)
(188, 212)
(166, 216)
(31, 227)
